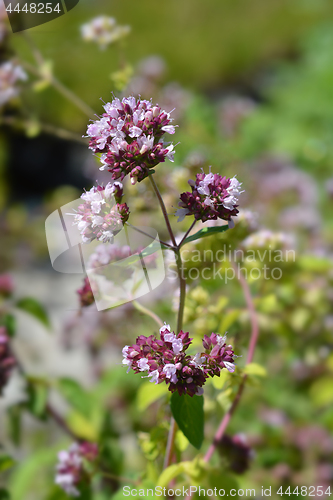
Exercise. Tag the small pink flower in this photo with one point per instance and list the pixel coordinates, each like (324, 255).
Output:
(70, 467)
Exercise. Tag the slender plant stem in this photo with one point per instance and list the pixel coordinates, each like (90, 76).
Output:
(182, 296)
(72, 97)
(166, 218)
(253, 341)
(182, 286)
(108, 475)
(186, 234)
(149, 236)
(44, 127)
(60, 87)
(61, 421)
(148, 312)
(170, 443)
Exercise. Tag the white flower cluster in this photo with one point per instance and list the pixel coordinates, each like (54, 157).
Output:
(100, 217)
(10, 74)
(103, 30)
(267, 238)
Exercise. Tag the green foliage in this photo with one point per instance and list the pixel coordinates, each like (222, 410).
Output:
(4, 494)
(188, 413)
(78, 397)
(6, 462)
(148, 394)
(34, 308)
(206, 231)
(37, 392)
(9, 321)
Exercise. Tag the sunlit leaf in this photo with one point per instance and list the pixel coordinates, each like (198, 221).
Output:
(255, 369)
(148, 393)
(6, 462)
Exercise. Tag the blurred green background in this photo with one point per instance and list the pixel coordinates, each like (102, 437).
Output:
(252, 84)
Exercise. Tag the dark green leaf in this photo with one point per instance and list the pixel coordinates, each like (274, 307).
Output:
(206, 231)
(85, 492)
(225, 481)
(37, 391)
(6, 462)
(76, 395)
(4, 495)
(189, 415)
(34, 308)
(9, 322)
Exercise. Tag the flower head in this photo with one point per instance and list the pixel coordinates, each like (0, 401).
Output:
(212, 197)
(6, 285)
(70, 467)
(99, 217)
(165, 359)
(86, 293)
(7, 360)
(129, 136)
(103, 30)
(10, 74)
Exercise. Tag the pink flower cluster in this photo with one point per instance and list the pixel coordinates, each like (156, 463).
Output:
(70, 468)
(6, 285)
(212, 197)
(7, 360)
(129, 134)
(99, 217)
(166, 360)
(85, 293)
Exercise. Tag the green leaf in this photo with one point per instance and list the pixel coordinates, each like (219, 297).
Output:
(223, 481)
(148, 393)
(4, 495)
(77, 396)
(82, 426)
(170, 473)
(255, 369)
(37, 391)
(321, 391)
(206, 231)
(6, 462)
(181, 441)
(33, 473)
(189, 415)
(229, 318)
(34, 308)
(9, 322)
(218, 382)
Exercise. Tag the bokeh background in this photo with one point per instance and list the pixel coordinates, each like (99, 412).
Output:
(252, 88)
